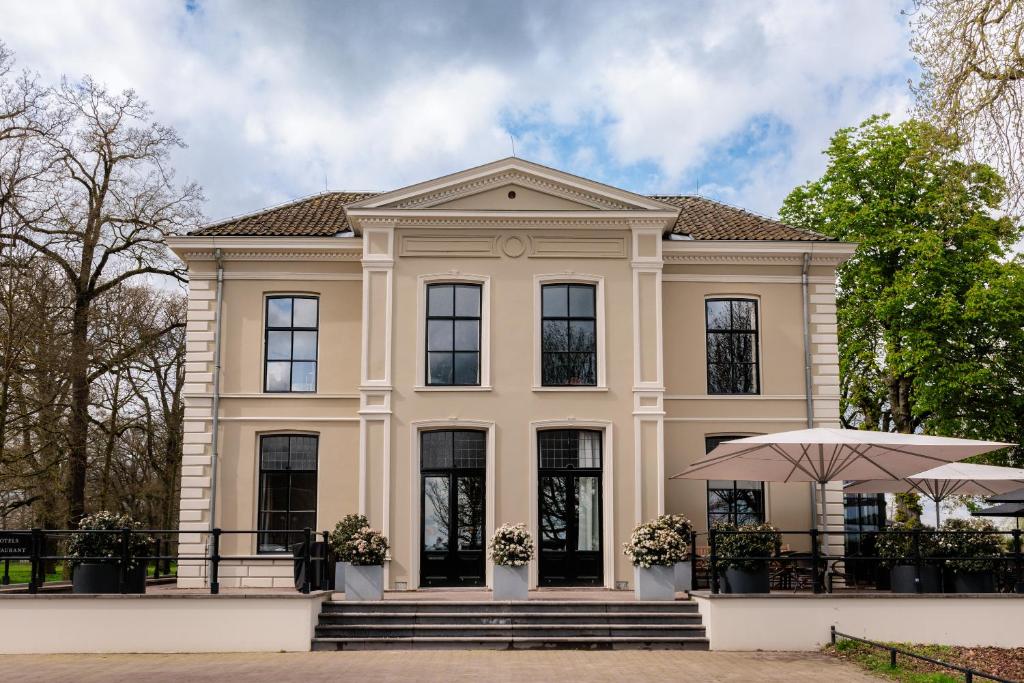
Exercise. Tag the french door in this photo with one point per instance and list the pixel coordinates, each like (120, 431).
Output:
(452, 508)
(569, 499)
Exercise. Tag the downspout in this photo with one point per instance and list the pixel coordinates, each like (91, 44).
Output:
(219, 256)
(808, 384)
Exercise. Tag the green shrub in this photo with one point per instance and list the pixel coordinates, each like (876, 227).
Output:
(761, 540)
(81, 546)
(343, 533)
(898, 548)
(654, 545)
(962, 540)
(680, 526)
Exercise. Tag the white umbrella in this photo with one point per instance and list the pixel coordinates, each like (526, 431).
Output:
(939, 483)
(822, 455)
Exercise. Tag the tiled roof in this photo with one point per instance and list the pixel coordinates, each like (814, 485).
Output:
(323, 215)
(706, 219)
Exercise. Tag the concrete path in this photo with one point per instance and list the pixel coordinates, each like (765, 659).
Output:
(447, 667)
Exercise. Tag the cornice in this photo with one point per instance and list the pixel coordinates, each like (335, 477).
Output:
(756, 252)
(523, 220)
(267, 248)
(513, 176)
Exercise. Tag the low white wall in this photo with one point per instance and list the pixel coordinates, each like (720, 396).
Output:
(62, 623)
(801, 622)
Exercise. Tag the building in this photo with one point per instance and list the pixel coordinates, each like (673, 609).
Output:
(509, 343)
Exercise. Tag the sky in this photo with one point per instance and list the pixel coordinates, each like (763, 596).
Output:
(732, 100)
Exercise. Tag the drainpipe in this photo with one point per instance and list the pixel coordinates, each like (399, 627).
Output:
(808, 385)
(219, 256)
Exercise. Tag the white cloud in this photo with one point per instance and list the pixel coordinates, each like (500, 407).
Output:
(272, 98)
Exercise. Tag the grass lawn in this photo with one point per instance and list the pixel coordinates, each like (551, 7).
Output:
(1005, 663)
(21, 569)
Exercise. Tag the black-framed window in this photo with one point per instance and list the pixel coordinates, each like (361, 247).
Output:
(453, 334)
(288, 470)
(732, 346)
(734, 502)
(572, 449)
(291, 344)
(568, 335)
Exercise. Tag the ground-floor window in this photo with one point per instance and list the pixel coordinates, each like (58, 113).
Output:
(733, 502)
(287, 490)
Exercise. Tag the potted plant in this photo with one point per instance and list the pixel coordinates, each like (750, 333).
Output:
(743, 572)
(970, 543)
(897, 552)
(366, 550)
(654, 549)
(511, 549)
(683, 569)
(342, 534)
(106, 540)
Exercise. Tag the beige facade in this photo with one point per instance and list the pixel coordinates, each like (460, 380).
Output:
(510, 227)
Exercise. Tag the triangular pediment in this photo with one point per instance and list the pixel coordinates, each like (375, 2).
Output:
(511, 185)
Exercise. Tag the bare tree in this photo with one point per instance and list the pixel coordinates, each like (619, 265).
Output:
(972, 58)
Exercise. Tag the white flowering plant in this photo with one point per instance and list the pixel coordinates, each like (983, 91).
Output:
(105, 542)
(681, 526)
(511, 545)
(367, 547)
(654, 544)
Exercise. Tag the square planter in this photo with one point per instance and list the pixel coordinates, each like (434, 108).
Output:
(339, 576)
(684, 576)
(364, 582)
(746, 580)
(655, 583)
(510, 583)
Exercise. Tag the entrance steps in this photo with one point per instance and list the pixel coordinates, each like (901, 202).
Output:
(533, 624)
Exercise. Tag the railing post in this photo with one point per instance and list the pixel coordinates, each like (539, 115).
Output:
(832, 633)
(6, 580)
(125, 545)
(1018, 580)
(815, 561)
(215, 561)
(33, 581)
(917, 560)
(156, 563)
(307, 564)
(713, 560)
(693, 560)
(892, 658)
(325, 578)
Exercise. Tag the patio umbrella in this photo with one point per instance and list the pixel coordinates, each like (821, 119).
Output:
(822, 455)
(1015, 496)
(939, 483)
(1002, 510)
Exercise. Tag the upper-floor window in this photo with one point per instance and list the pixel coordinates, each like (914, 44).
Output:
(732, 346)
(568, 335)
(291, 342)
(453, 334)
(287, 502)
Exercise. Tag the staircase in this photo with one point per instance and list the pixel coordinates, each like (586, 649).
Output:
(535, 624)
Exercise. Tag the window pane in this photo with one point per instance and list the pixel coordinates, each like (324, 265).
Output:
(470, 507)
(719, 347)
(581, 335)
(580, 369)
(436, 450)
(743, 348)
(555, 300)
(303, 452)
(278, 376)
(467, 335)
(554, 369)
(718, 315)
(439, 335)
(581, 301)
(303, 376)
(439, 300)
(297, 521)
(567, 448)
(439, 370)
(555, 335)
(589, 445)
(744, 315)
(470, 450)
(588, 514)
(279, 345)
(720, 379)
(467, 301)
(467, 368)
(436, 504)
(275, 490)
(279, 312)
(274, 452)
(305, 313)
(744, 379)
(303, 492)
(554, 512)
(304, 345)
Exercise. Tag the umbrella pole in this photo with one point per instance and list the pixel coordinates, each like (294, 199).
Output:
(821, 519)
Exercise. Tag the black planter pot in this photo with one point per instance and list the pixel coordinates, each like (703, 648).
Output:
(904, 579)
(745, 580)
(105, 577)
(974, 582)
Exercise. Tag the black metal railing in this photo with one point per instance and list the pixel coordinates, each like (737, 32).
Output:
(42, 547)
(969, 673)
(816, 569)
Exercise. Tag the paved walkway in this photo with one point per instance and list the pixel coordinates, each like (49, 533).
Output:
(449, 667)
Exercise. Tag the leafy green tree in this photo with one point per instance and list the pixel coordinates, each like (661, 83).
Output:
(930, 307)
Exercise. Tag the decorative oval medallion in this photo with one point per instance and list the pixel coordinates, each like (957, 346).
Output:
(513, 246)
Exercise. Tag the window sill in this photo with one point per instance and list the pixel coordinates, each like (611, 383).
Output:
(570, 389)
(420, 387)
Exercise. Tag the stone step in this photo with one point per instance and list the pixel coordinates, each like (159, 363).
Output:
(513, 643)
(567, 618)
(553, 631)
(530, 606)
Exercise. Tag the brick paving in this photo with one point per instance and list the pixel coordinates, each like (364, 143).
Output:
(441, 666)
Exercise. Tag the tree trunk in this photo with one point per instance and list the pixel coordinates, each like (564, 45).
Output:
(78, 425)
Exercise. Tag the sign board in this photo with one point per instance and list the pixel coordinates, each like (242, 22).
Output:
(15, 544)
